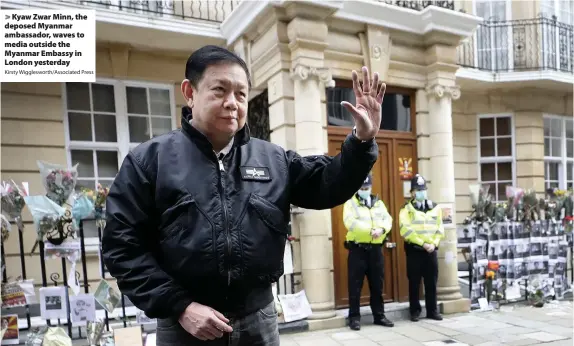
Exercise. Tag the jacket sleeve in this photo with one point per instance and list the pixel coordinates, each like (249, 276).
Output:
(439, 235)
(126, 245)
(351, 219)
(324, 182)
(406, 231)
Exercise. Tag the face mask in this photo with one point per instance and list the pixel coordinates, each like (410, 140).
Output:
(365, 194)
(420, 195)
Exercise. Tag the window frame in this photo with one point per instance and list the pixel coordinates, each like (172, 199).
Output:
(563, 159)
(496, 159)
(492, 31)
(344, 130)
(122, 144)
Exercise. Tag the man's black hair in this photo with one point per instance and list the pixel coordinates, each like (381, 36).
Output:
(206, 56)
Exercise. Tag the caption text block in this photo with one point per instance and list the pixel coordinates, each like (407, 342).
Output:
(49, 45)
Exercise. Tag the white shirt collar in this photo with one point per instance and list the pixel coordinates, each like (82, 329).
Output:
(225, 150)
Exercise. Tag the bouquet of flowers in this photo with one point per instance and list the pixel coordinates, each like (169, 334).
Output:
(46, 214)
(82, 207)
(58, 181)
(530, 207)
(481, 203)
(6, 227)
(100, 204)
(12, 201)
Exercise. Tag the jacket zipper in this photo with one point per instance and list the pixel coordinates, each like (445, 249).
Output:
(227, 242)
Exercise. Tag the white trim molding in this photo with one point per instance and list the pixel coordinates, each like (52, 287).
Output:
(496, 159)
(563, 160)
(509, 77)
(430, 19)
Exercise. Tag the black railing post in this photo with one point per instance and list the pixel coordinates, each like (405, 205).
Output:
(43, 270)
(103, 271)
(23, 265)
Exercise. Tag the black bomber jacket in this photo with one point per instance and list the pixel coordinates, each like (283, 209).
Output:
(184, 225)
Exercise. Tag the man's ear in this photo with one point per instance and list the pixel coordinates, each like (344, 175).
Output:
(187, 92)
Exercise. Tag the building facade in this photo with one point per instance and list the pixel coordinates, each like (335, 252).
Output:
(478, 91)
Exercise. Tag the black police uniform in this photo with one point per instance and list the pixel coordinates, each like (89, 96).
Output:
(422, 265)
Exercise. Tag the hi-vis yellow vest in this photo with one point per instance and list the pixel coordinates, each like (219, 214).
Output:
(418, 227)
(360, 220)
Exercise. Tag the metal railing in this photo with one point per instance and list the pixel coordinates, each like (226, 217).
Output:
(419, 5)
(125, 313)
(520, 45)
(208, 10)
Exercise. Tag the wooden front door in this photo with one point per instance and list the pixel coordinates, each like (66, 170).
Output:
(394, 147)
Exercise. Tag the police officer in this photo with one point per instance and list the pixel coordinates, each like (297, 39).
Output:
(368, 223)
(422, 230)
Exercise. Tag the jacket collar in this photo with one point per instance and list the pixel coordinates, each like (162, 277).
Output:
(241, 137)
(362, 201)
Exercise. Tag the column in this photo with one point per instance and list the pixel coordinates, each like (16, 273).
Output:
(307, 42)
(313, 225)
(442, 190)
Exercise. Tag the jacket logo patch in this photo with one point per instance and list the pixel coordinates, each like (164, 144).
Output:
(255, 173)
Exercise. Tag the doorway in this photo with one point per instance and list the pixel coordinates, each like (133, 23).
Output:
(397, 149)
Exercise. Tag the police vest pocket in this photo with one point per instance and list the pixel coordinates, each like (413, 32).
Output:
(263, 232)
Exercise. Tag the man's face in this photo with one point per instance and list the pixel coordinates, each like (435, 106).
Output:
(219, 103)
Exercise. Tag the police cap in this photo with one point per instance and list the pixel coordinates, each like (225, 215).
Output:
(418, 183)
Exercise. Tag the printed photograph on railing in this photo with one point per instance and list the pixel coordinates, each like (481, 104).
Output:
(519, 248)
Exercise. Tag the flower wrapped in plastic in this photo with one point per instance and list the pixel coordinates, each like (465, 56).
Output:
(5, 226)
(82, 207)
(483, 207)
(46, 214)
(59, 181)
(100, 204)
(530, 206)
(94, 331)
(36, 336)
(12, 200)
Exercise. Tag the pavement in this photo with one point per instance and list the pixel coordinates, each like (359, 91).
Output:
(511, 325)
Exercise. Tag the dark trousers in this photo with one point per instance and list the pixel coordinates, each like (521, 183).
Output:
(365, 260)
(257, 329)
(421, 264)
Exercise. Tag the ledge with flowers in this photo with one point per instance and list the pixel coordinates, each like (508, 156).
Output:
(518, 249)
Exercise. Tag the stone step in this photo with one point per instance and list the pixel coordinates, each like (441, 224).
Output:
(393, 311)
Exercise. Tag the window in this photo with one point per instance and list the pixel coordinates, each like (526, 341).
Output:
(558, 152)
(496, 153)
(557, 33)
(396, 109)
(495, 38)
(105, 120)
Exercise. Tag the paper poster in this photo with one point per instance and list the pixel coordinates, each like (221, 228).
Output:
(18, 293)
(53, 303)
(82, 308)
(295, 306)
(288, 260)
(10, 329)
(107, 297)
(130, 336)
(446, 214)
(407, 189)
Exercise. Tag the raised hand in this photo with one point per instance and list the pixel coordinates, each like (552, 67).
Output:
(367, 111)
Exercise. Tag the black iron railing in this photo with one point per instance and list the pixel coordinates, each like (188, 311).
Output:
(124, 313)
(209, 10)
(419, 5)
(536, 44)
